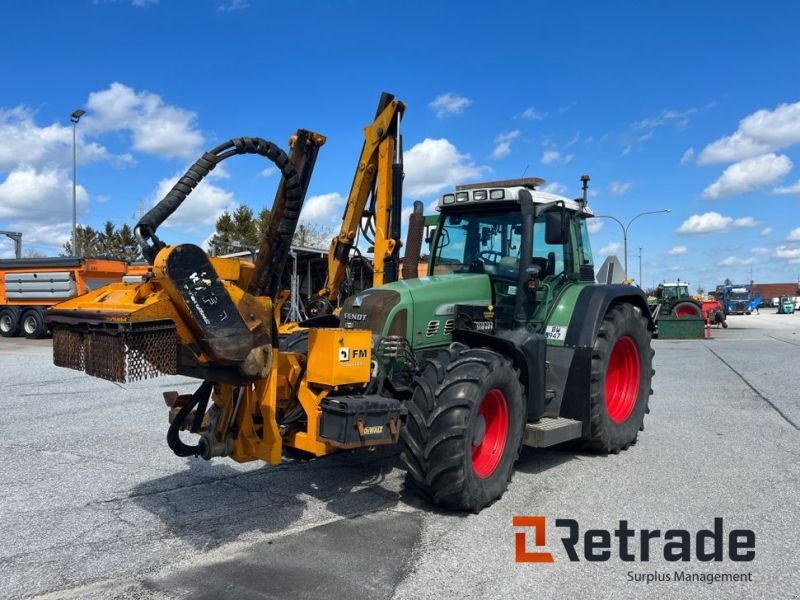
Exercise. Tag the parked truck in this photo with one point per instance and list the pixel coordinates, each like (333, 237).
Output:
(740, 299)
(29, 286)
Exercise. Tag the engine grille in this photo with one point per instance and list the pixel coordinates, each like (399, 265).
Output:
(432, 329)
(123, 354)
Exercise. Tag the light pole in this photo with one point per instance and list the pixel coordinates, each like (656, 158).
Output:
(641, 285)
(626, 228)
(74, 118)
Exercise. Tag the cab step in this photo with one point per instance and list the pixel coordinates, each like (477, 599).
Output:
(549, 431)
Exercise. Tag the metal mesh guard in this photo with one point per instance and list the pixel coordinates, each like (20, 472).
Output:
(122, 355)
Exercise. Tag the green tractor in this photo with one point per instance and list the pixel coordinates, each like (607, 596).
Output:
(674, 300)
(507, 342)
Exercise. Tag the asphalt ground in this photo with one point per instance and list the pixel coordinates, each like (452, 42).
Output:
(94, 505)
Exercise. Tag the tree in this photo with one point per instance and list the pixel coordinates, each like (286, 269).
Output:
(242, 230)
(701, 290)
(313, 236)
(109, 242)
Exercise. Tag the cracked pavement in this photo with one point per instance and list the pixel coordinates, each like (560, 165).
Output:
(94, 505)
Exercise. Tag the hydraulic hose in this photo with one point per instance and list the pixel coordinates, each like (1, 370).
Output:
(199, 399)
(145, 229)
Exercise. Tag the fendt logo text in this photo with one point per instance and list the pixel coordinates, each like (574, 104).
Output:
(631, 545)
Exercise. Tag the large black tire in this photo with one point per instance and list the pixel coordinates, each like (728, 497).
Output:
(32, 323)
(9, 322)
(460, 399)
(622, 372)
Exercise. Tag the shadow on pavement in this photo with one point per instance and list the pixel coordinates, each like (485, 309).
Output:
(212, 503)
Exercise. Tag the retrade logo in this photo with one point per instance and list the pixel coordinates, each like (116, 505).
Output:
(631, 545)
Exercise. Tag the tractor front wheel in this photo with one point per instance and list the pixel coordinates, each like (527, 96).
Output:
(622, 370)
(464, 428)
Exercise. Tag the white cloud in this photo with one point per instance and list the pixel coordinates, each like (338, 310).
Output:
(748, 175)
(232, 5)
(433, 165)
(502, 142)
(687, 157)
(531, 114)
(788, 253)
(24, 143)
(554, 157)
(39, 196)
(733, 261)
(794, 235)
(595, 226)
(555, 188)
(680, 118)
(712, 222)
(201, 208)
(268, 172)
(613, 248)
(618, 188)
(323, 209)
(449, 104)
(760, 250)
(157, 128)
(763, 131)
(766, 231)
(678, 250)
(789, 189)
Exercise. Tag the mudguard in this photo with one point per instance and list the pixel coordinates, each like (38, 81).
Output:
(593, 304)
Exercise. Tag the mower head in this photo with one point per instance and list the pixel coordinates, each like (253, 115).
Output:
(192, 315)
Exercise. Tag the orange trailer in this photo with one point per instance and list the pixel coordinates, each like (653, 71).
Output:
(29, 286)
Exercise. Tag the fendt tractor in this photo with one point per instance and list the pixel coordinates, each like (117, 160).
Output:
(674, 299)
(507, 341)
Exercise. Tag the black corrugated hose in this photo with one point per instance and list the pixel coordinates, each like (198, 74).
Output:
(146, 227)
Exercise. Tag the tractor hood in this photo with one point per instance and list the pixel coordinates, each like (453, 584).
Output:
(421, 310)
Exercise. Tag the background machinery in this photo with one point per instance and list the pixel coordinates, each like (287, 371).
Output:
(29, 286)
(508, 341)
(674, 299)
(738, 299)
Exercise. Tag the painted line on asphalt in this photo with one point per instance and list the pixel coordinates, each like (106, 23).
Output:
(784, 341)
(755, 391)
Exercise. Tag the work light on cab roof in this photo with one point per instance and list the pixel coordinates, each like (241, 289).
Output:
(507, 190)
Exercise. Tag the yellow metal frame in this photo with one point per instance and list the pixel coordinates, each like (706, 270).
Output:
(375, 161)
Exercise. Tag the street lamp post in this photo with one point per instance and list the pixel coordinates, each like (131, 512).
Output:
(626, 228)
(74, 118)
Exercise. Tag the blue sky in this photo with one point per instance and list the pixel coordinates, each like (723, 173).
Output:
(682, 105)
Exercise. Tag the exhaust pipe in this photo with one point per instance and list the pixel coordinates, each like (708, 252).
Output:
(416, 227)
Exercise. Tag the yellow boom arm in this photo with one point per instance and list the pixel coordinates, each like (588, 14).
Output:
(376, 163)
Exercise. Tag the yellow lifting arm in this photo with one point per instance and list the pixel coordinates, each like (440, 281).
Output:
(380, 157)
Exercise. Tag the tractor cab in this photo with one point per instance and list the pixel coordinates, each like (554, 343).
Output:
(667, 292)
(530, 243)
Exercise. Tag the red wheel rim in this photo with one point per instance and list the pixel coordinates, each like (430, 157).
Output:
(622, 379)
(686, 310)
(486, 454)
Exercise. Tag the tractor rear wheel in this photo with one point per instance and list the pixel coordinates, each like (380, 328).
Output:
(622, 371)
(686, 308)
(464, 428)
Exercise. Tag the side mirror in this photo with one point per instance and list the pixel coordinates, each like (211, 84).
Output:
(555, 231)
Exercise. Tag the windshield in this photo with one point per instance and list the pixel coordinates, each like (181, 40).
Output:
(739, 296)
(675, 291)
(490, 243)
